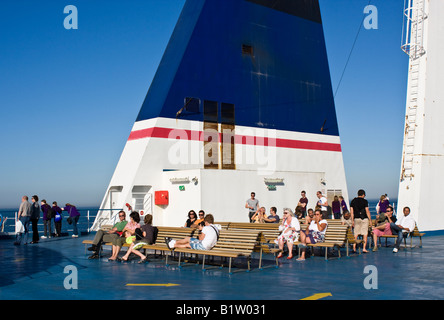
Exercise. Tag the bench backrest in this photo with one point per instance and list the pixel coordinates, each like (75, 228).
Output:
(233, 240)
(242, 241)
(336, 233)
(174, 232)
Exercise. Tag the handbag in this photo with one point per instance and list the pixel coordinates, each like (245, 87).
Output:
(19, 227)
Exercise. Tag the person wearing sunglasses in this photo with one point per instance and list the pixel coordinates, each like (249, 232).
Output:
(314, 234)
(290, 228)
(383, 221)
(107, 236)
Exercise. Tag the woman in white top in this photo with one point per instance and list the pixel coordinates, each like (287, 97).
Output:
(290, 228)
(315, 233)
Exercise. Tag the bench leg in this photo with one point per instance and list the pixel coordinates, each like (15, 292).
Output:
(229, 267)
(203, 263)
(260, 259)
(180, 256)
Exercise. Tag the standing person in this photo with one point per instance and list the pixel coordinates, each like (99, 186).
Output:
(74, 215)
(361, 218)
(402, 227)
(323, 203)
(24, 215)
(336, 208)
(57, 219)
(35, 216)
(47, 216)
(303, 202)
(252, 205)
(382, 204)
(343, 204)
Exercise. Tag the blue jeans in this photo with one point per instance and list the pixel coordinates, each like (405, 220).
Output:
(397, 231)
(24, 235)
(74, 225)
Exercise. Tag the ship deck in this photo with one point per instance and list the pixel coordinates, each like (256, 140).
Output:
(34, 272)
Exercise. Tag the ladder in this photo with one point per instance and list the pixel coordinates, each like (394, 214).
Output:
(414, 47)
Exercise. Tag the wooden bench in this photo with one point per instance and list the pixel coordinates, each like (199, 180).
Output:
(351, 240)
(172, 232)
(268, 233)
(413, 234)
(335, 236)
(231, 244)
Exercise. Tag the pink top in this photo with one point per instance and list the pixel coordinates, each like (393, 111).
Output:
(132, 226)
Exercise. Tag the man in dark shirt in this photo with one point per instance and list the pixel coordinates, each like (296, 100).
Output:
(35, 216)
(303, 202)
(360, 215)
(273, 217)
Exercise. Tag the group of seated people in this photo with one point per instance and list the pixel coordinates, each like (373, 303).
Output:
(315, 226)
(386, 223)
(312, 231)
(124, 231)
(132, 233)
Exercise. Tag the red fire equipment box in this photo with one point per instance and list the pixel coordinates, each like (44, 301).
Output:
(161, 197)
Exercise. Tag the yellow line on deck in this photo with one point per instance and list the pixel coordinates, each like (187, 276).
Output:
(318, 296)
(152, 285)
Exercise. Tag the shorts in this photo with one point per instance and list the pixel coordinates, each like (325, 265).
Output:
(361, 226)
(196, 244)
(315, 236)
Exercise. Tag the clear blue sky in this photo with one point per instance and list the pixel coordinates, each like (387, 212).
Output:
(69, 98)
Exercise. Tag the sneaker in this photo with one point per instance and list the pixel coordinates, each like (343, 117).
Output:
(395, 250)
(75, 236)
(375, 248)
(167, 241)
(43, 237)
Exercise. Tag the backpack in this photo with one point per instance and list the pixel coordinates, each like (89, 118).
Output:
(155, 232)
(50, 214)
(57, 217)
